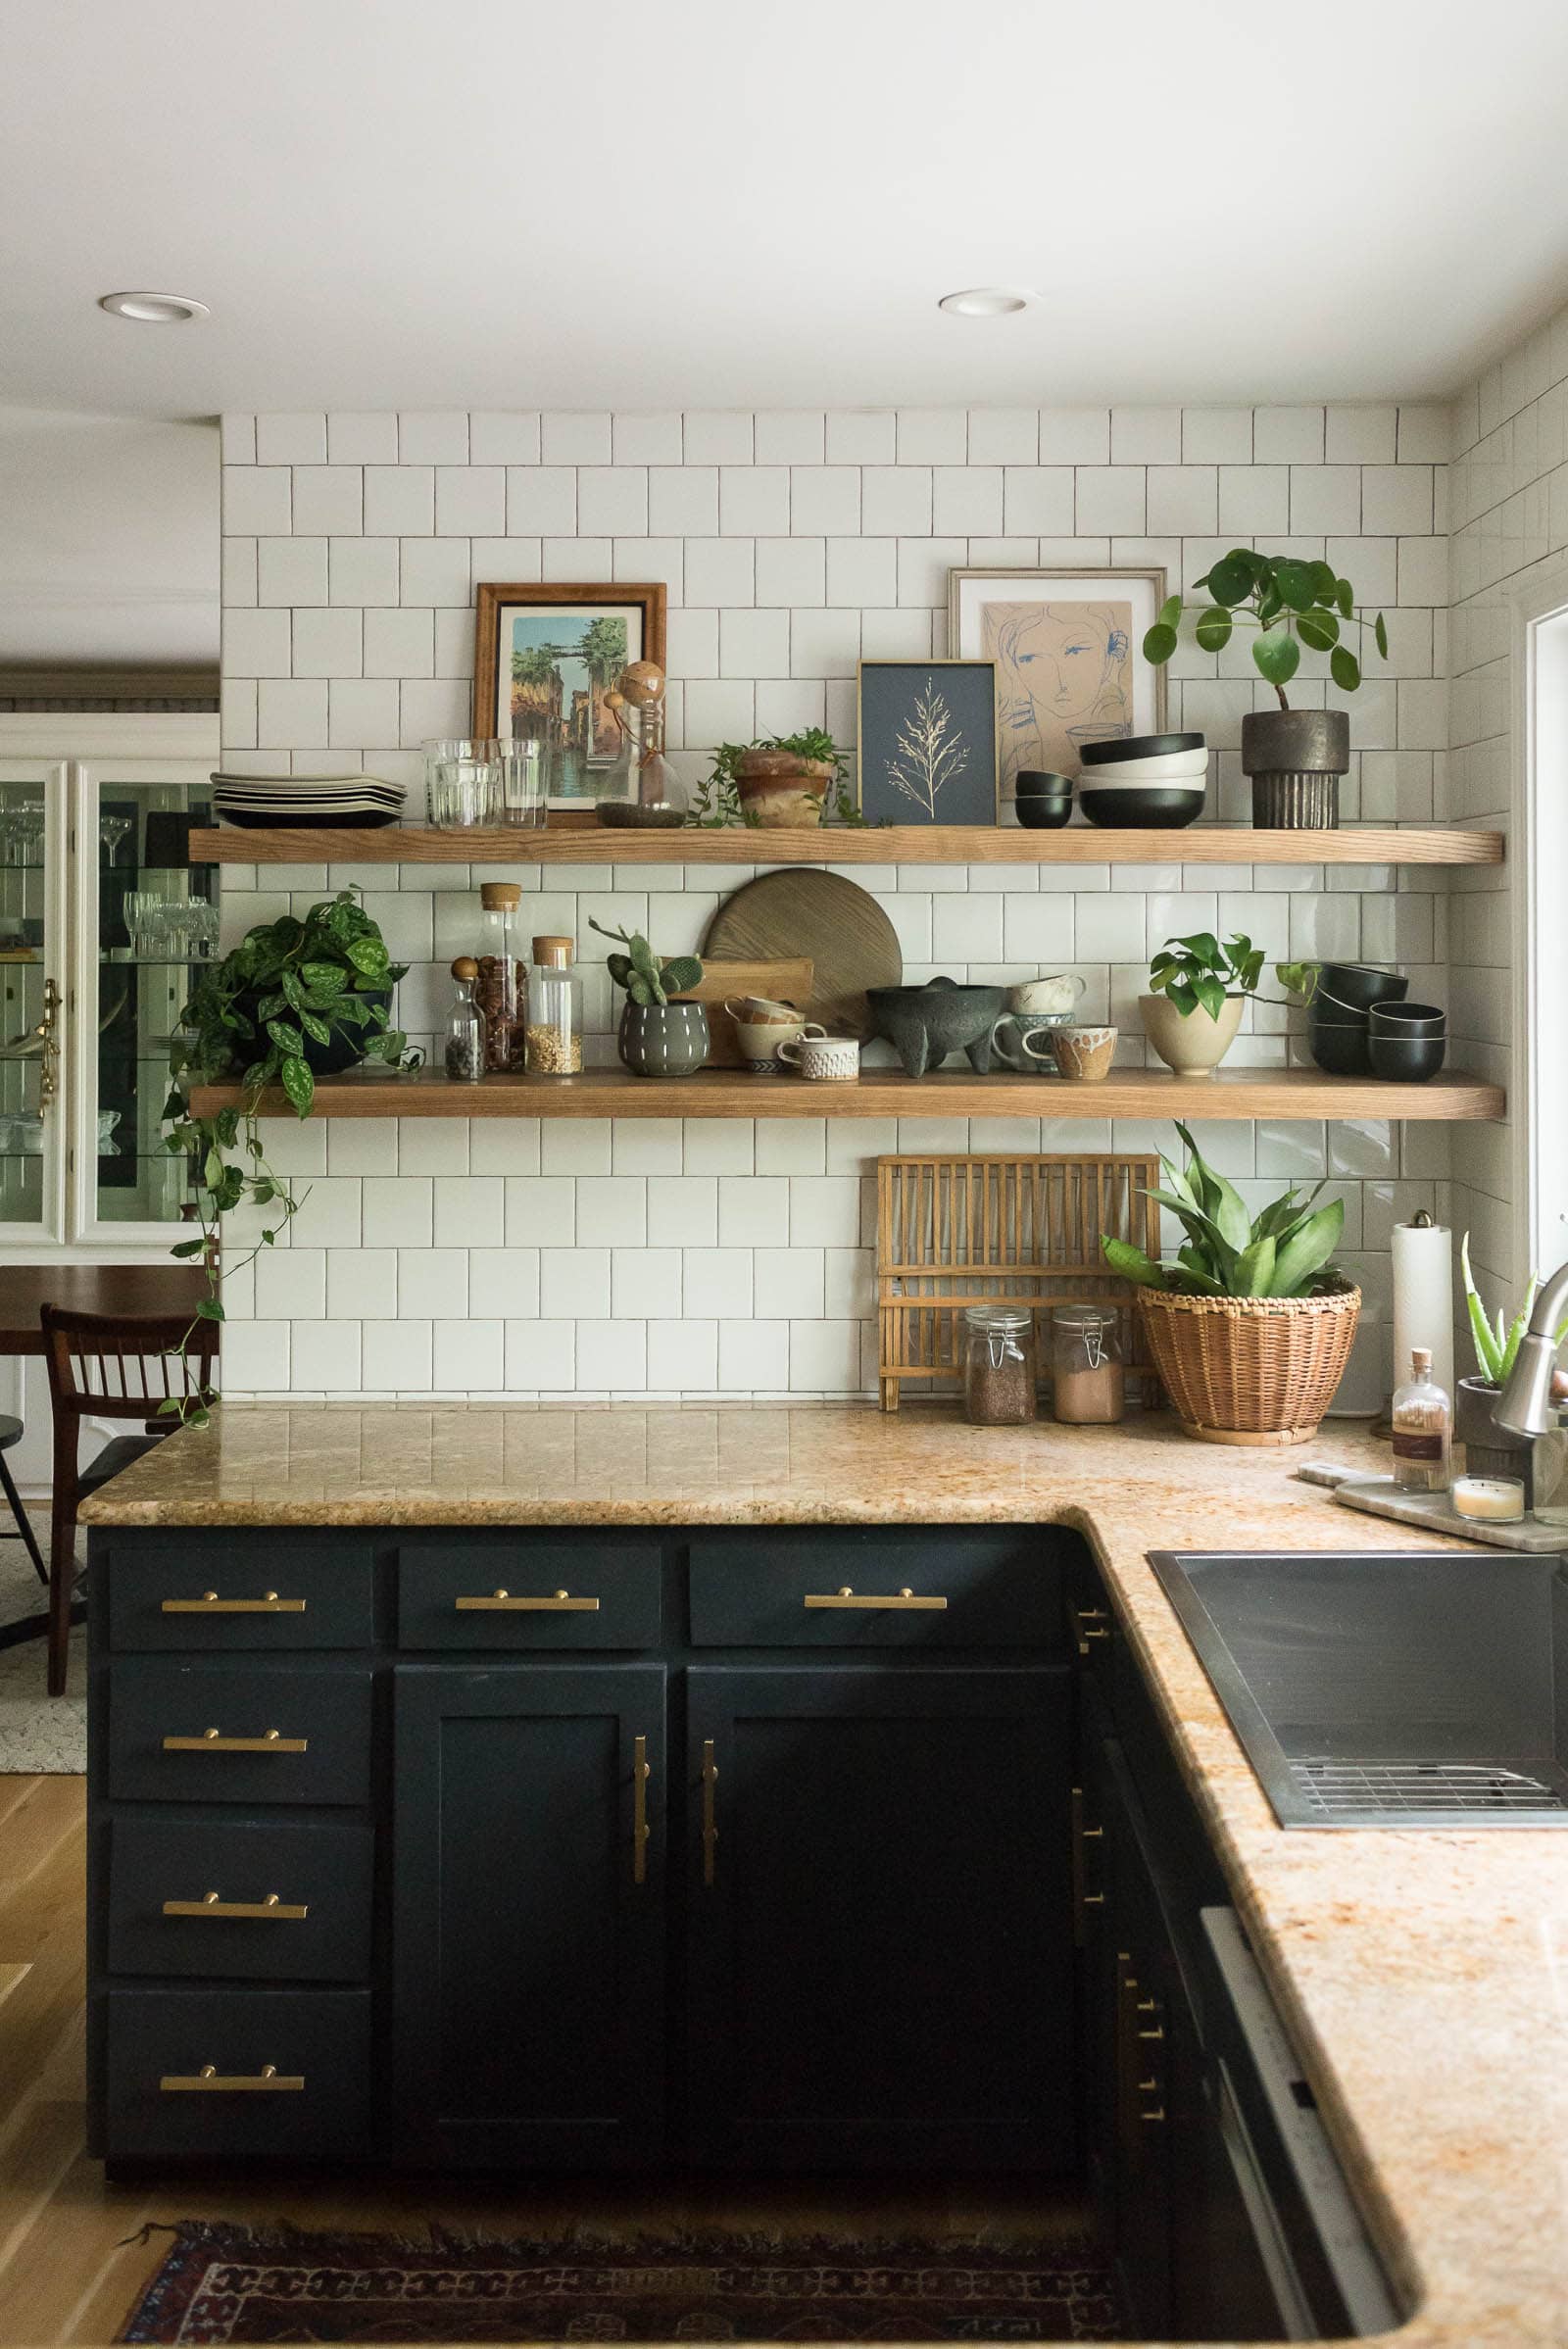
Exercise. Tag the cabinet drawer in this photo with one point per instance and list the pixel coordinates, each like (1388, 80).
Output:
(293, 1902)
(321, 1752)
(1000, 1590)
(215, 1593)
(319, 2039)
(529, 1591)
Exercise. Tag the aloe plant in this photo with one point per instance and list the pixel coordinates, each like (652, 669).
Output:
(646, 978)
(1498, 1346)
(1282, 1253)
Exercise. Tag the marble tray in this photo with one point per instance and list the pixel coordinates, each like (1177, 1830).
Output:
(1379, 1495)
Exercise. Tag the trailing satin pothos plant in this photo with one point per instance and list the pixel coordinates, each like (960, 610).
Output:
(249, 1021)
(1284, 1251)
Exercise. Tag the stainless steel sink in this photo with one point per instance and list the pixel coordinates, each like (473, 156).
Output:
(1388, 1689)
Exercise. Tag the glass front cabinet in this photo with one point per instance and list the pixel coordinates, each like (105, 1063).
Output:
(103, 925)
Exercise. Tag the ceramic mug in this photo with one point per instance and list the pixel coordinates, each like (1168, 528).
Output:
(1084, 1053)
(1011, 1050)
(1053, 998)
(762, 1039)
(822, 1057)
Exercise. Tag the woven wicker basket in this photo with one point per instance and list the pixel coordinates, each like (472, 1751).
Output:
(1249, 1369)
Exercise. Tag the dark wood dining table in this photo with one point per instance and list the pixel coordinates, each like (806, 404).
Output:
(120, 1290)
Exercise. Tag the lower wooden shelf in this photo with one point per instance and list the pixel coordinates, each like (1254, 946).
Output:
(1238, 1092)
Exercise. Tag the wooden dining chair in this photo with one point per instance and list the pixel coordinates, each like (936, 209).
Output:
(104, 1366)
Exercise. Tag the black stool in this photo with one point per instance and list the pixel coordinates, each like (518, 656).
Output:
(11, 1433)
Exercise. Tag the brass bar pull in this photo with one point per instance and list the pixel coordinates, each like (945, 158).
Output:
(1158, 2032)
(211, 1904)
(213, 1740)
(845, 1598)
(642, 1769)
(710, 1809)
(210, 2081)
(210, 1604)
(1158, 2114)
(48, 1063)
(501, 1603)
(1092, 1625)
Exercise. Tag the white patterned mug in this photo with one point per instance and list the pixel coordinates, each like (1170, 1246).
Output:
(1054, 996)
(822, 1058)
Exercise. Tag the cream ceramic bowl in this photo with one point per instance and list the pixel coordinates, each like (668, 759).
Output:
(1175, 767)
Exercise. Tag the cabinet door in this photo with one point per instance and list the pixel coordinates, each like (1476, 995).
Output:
(528, 1923)
(1141, 2010)
(881, 1962)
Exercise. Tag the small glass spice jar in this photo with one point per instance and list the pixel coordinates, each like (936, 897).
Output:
(466, 1053)
(554, 1010)
(999, 1366)
(503, 977)
(1089, 1387)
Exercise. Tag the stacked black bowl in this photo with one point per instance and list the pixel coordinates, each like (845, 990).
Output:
(1406, 1042)
(1044, 801)
(1144, 782)
(1338, 1018)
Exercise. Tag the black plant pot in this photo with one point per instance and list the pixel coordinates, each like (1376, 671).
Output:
(346, 1046)
(1296, 759)
(1488, 1449)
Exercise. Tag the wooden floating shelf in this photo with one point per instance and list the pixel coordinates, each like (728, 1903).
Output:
(1239, 1093)
(901, 844)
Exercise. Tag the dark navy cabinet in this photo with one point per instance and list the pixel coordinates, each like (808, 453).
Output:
(581, 1848)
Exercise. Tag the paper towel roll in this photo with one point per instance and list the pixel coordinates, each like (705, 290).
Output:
(1423, 1299)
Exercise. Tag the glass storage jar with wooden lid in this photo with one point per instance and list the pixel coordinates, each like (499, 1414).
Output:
(554, 1010)
(502, 988)
(999, 1365)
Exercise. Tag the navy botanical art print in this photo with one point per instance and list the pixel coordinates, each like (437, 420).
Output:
(928, 741)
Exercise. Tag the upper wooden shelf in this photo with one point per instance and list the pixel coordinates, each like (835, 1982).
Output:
(902, 844)
(1238, 1093)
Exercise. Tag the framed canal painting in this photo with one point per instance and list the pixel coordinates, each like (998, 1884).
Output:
(1065, 645)
(927, 739)
(544, 659)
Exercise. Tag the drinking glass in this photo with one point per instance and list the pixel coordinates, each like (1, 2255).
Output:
(521, 775)
(462, 782)
(112, 831)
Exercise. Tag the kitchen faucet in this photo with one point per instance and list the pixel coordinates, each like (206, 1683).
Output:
(1525, 1404)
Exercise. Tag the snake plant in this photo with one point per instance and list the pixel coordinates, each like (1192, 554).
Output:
(1283, 1252)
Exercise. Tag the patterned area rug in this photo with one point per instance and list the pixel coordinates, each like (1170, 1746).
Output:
(224, 2285)
(39, 1736)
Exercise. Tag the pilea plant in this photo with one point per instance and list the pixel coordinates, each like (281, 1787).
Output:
(1289, 602)
(253, 1019)
(717, 802)
(647, 978)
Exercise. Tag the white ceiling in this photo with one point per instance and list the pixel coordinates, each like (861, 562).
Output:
(498, 203)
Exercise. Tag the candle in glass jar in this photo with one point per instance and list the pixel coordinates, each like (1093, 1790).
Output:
(1500, 1498)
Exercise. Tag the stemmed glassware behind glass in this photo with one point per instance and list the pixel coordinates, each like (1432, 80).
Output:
(111, 830)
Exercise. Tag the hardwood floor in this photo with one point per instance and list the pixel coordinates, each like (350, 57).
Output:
(69, 2275)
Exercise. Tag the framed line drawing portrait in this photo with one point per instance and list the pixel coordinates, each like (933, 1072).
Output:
(1068, 669)
(926, 735)
(544, 659)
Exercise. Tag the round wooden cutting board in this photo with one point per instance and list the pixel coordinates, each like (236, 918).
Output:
(851, 944)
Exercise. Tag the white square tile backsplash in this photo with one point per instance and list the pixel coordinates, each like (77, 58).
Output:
(715, 1256)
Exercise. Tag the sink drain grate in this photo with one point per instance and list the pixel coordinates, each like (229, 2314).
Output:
(1372, 1790)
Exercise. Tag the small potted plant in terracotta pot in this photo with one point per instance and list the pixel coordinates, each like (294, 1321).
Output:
(657, 1037)
(1294, 756)
(1198, 989)
(783, 783)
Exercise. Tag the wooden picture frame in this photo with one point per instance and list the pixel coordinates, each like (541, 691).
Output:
(1118, 692)
(585, 739)
(920, 715)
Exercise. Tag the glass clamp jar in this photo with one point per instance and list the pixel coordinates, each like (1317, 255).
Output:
(999, 1365)
(1088, 1381)
(502, 992)
(554, 1027)
(465, 1039)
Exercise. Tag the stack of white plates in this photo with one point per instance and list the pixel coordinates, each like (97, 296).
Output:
(335, 802)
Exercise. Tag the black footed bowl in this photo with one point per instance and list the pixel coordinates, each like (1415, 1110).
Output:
(1043, 816)
(924, 1024)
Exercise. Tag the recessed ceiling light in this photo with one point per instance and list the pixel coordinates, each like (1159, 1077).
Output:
(154, 310)
(984, 302)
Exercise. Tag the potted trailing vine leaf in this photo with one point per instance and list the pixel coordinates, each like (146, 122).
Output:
(1198, 991)
(1294, 756)
(779, 781)
(295, 1000)
(657, 1038)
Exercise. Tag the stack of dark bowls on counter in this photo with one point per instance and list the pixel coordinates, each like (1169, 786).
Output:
(1044, 801)
(1359, 1024)
(1144, 782)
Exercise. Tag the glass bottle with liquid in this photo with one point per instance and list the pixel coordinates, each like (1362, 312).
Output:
(1423, 1430)
(466, 1037)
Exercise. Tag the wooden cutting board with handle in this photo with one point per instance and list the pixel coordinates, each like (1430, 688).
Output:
(788, 981)
(840, 926)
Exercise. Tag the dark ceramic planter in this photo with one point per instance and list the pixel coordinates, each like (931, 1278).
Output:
(346, 1046)
(1296, 759)
(663, 1040)
(1488, 1449)
(924, 1024)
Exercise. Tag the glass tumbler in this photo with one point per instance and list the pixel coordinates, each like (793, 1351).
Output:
(462, 780)
(521, 782)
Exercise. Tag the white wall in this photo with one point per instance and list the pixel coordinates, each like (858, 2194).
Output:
(109, 552)
(712, 1256)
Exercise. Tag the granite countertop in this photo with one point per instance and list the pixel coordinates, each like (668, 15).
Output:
(1424, 1975)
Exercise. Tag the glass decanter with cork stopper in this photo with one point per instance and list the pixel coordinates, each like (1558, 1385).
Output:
(1423, 1430)
(554, 1010)
(466, 1037)
(503, 977)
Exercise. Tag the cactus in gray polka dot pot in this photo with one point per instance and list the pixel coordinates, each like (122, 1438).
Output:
(658, 1037)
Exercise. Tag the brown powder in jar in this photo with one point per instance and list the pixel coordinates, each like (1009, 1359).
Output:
(1090, 1398)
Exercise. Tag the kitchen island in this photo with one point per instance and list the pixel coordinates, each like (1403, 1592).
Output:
(1420, 1975)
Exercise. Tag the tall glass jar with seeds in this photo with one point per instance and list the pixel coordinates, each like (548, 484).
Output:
(554, 1010)
(501, 985)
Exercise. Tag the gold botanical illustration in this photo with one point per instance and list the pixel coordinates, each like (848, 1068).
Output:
(932, 753)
